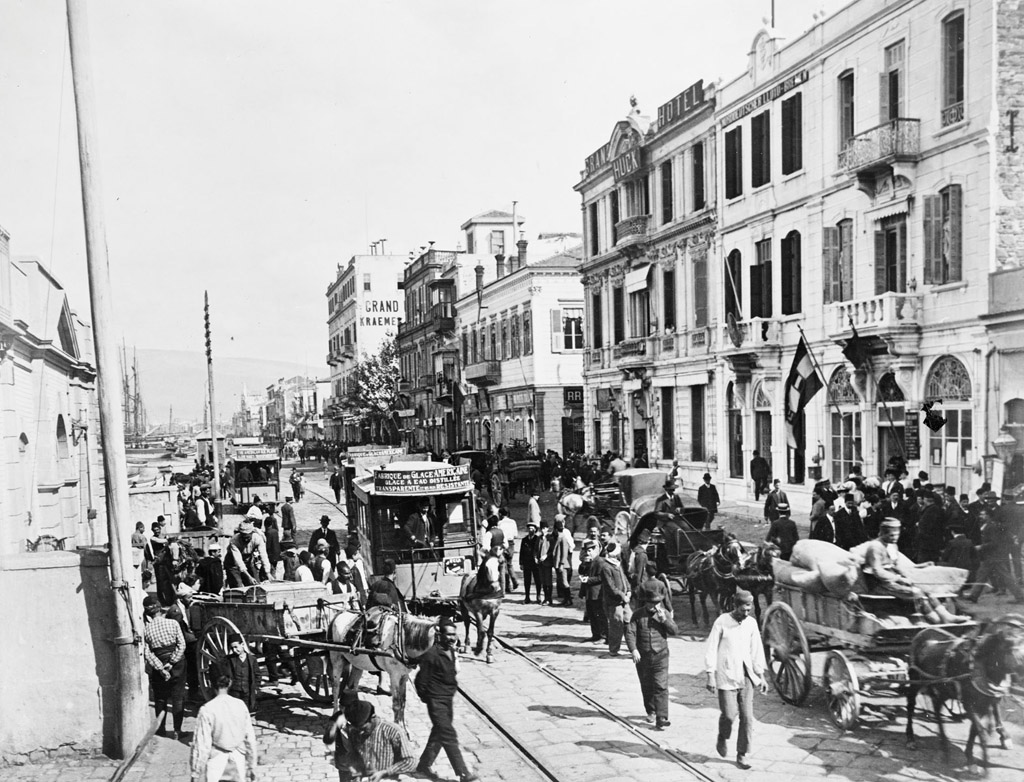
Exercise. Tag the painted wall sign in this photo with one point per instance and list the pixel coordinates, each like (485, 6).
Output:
(598, 159)
(767, 97)
(377, 312)
(682, 105)
(253, 454)
(627, 163)
(444, 480)
(572, 396)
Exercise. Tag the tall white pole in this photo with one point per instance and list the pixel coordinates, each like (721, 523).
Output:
(131, 693)
(214, 458)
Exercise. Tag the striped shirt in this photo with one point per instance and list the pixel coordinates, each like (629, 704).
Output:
(162, 632)
(385, 749)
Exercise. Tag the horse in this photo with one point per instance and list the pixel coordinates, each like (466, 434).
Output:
(571, 502)
(758, 577)
(480, 610)
(698, 580)
(403, 640)
(976, 669)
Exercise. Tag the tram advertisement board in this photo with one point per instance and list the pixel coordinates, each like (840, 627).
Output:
(445, 480)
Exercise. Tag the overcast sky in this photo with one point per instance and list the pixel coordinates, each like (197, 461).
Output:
(248, 147)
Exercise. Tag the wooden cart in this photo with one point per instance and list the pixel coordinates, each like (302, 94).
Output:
(276, 619)
(867, 640)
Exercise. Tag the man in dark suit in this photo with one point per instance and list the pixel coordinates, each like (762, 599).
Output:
(783, 532)
(759, 472)
(775, 497)
(325, 533)
(850, 530)
(707, 496)
(824, 528)
(930, 528)
(419, 528)
(669, 501)
(335, 482)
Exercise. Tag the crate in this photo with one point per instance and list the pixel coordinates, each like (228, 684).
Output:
(277, 593)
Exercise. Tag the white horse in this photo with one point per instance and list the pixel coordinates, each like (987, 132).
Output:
(403, 639)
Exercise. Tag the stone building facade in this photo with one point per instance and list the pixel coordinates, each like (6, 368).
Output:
(649, 272)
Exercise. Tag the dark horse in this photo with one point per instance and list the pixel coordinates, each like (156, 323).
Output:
(975, 669)
(713, 573)
(758, 577)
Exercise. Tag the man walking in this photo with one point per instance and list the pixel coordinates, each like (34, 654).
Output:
(325, 533)
(771, 504)
(533, 508)
(224, 735)
(647, 639)
(335, 482)
(435, 685)
(735, 665)
(165, 658)
(614, 597)
(783, 532)
(759, 471)
(707, 497)
(529, 562)
(561, 556)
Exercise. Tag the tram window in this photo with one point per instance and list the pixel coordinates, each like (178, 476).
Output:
(455, 513)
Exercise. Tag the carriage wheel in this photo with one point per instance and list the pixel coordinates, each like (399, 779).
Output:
(316, 675)
(842, 690)
(788, 653)
(212, 648)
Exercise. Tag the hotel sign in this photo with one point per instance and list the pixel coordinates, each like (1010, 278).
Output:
(682, 105)
(598, 159)
(766, 97)
(627, 164)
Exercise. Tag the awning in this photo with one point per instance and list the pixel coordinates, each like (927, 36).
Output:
(898, 207)
(636, 279)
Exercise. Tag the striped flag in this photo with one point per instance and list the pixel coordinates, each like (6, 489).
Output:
(801, 385)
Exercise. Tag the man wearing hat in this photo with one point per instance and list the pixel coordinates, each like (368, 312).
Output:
(996, 541)
(435, 685)
(529, 562)
(421, 527)
(669, 501)
(783, 532)
(647, 640)
(707, 497)
(165, 661)
(370, 747)
(931, 532)
(287, 524)
(850, 530)
(224, 735)
(735, 665)
(245, 554)
(325, 533)
(772, 501)
(562, 548)
(590, 589)
(614, 596)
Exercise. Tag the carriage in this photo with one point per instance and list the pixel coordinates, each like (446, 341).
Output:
(287, 621)
(428, 577)
(868, 640)
(263, 465)
(359, 462)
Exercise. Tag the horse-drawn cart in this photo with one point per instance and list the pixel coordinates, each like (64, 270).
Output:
(868, 640)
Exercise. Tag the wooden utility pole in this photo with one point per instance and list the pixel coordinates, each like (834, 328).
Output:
(214, 458)
(131, 692)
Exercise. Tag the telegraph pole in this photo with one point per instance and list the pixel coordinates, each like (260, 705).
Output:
(214, 458)
(131, 694)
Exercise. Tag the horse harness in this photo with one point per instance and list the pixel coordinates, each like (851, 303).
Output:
(955, 646)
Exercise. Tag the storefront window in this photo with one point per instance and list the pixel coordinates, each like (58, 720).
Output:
(845, 421)
(950, 450)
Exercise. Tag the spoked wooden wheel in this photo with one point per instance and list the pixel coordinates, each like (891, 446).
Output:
(788, 654)
(842, 690)
(212, 648)
(315, 674)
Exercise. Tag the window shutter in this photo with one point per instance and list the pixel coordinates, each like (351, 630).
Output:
(668, 278)
(557, 338)
(845, 280)
(901, 265)
(796, 295)
(829, 263)
(883, 98)
(932, 239)
(700, 293)
(955, 256)
(879, 262)
(766, 289)
(755, 291)
(787, 279)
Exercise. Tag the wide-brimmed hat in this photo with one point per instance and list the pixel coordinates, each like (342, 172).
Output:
(782, 507)
(246, 528)
(324, 518)
(652, 591)
(322, 544)
(254, 513)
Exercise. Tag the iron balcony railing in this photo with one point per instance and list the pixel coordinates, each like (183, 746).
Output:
(898, 139)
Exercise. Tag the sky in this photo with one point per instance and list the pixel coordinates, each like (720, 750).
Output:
(248, 147)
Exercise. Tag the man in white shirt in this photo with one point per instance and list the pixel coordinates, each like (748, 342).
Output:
(508, 526)
(224, 735)
(533, 509)
(735, 664)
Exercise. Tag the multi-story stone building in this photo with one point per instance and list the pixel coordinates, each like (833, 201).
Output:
(428, 349)
(869, 181)
(649, 268)
(291, 406)
(364, 309)
(521, 332)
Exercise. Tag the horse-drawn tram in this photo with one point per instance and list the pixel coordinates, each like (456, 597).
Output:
(422, 515)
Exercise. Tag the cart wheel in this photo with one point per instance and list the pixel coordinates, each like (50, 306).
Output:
(842, 690)
(316, 675)
(788, 653)
(212, 648)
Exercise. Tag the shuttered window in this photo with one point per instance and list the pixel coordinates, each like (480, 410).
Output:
(668, 280)
(557, 340)
(890, 84)
(734, 284)
(667, 206)
(527, 334)
(697, 153)
(760, 149)
(700, 292)
(891, 256)
(943, 232)
(761, 281)
(792, 134)
(837, 262)
(595, 239)
(597, 321)
(790, 263)
(734, 163)
(668, 423)
(618, 315)
(697, 423)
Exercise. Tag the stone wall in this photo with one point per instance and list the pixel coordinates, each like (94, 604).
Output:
(1010, 165)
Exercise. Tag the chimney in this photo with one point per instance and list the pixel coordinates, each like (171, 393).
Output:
(501, 265)
(479, 277)
(521, 244)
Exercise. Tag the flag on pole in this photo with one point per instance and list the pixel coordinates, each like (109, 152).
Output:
(801, 385)
(856, 350)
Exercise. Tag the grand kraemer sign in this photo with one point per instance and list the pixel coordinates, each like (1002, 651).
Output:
(451, 479)
(767, 97)
(682, 105)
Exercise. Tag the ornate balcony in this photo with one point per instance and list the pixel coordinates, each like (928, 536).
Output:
(747, 344)
(332, 359)
(484, 374)
(953, 114)
(425, 382)
(631, 234)
(632, 352)
(891, 148)
(892, 321)
(442, 315)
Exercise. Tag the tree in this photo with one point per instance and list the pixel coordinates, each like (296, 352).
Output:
(372, 387)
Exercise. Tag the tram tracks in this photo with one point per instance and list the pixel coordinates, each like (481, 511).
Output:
(530, 756)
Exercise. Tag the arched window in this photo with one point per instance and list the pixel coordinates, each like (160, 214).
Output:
(735, 416)
(891, 420)
(63, 451)
(762, 422)
(845, 430)
(951, 449)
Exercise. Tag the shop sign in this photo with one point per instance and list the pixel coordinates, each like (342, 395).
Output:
(767, 97)
(405, 413)
(500, 402)
(443, 480)
(626, 164)
(254, 454)
(682, 105)
(604, 400)
(912, 435)
(522, 399)
(572, 396)
(376, 312)
(597, 160)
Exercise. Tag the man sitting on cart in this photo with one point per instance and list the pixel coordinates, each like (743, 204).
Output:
(888, 572)
(245, 555)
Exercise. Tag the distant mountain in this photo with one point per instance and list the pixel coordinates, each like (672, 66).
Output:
(178, 378)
